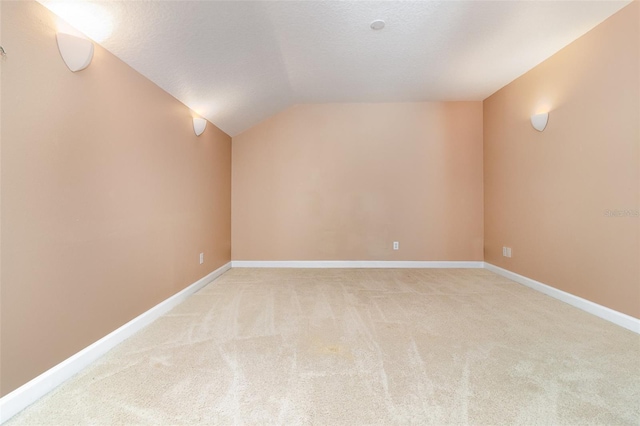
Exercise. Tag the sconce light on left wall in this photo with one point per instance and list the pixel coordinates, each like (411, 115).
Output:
(539, 121)
(76, 52)
(199, 124)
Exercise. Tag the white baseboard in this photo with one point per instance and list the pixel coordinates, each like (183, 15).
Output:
(623, 320)
(354, 264)
(27, 394)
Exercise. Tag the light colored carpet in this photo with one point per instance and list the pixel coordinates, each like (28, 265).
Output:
(354, 347)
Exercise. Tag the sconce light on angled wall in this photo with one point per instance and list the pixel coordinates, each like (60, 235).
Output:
(76, 52)
(539, 121)
(199, 124)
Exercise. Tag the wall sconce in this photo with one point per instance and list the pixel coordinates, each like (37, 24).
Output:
(539, 121)
(76, 52)
(199, 124)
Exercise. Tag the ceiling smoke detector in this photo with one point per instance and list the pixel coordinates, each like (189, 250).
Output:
(377, 25)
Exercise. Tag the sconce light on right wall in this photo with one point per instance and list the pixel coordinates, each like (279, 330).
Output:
(539, 121)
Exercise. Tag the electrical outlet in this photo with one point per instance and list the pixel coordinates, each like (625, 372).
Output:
(396, 245)
(506, 251)
(201, 258)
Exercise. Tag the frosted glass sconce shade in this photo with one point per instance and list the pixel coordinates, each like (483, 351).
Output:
(76, 52)
(199, 124)
(539, 121)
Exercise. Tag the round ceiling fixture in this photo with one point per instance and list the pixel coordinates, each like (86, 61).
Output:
(377, 25)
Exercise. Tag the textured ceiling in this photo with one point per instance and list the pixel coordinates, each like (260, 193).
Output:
(237, 63)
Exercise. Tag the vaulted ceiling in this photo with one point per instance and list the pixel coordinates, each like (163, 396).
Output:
(239, 62)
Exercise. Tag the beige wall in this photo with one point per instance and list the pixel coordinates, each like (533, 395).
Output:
(343, 181)
(546, 193)
(107, 196)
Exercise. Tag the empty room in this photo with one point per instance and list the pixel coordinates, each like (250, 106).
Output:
(319, 212)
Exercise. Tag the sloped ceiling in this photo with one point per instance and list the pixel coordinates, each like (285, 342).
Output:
(239, 62)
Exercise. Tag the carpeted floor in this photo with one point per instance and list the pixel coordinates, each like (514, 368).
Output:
(354, 347)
